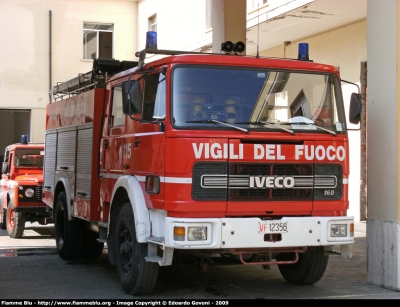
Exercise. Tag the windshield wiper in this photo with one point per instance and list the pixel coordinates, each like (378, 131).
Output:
(213, 121)
(265, 124)
(310, 124)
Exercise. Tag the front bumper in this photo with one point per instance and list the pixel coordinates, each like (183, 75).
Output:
(31, 208)
(234, 233)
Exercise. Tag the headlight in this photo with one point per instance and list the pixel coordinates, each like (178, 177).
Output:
(29, 192)
(197, 233)
(339, 230)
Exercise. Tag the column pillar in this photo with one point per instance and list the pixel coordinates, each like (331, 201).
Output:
(228, 22)
(383, 144)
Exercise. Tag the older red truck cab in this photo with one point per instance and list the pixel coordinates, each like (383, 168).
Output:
(21, 187)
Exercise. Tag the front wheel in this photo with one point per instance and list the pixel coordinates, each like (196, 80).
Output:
(135, 274)
(308, 270)
(15, 223)
(69, 235)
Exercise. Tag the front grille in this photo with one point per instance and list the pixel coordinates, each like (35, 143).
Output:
(39, 193)
(266, 182)
(322, 189)
(213, 192)
(301, 190)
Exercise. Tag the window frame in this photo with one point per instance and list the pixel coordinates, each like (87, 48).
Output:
(255, 4)
(152, 23)
(96, 25)
(116, 106)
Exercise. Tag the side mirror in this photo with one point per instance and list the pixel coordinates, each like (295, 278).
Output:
(4, 167)
(131, 97)
(355, 108)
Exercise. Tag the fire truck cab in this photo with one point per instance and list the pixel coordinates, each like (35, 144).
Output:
(201, 155)
(21, 187)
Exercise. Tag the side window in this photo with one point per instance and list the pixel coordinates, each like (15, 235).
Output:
(160, 103)
(117, 116)
(154, 97)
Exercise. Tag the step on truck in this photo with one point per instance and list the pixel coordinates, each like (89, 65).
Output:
(21, 187)
(201, 156)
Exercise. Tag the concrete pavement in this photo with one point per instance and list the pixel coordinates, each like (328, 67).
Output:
(31, 269)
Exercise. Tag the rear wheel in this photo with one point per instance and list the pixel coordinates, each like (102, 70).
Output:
(135, 274)
(308, 270)
(69, 235)
(15, 223)
(3, 214)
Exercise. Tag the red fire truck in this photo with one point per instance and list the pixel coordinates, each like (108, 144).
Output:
(200, 155)
(21, 187)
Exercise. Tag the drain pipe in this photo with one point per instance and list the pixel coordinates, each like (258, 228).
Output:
(287, 43)
(50, 42)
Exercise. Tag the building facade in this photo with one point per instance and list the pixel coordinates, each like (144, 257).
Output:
(50, 41)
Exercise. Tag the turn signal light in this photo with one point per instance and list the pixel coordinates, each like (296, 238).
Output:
(351, 230)
(179, 233)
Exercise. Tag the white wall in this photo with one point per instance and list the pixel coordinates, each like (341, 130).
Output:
(183, 25)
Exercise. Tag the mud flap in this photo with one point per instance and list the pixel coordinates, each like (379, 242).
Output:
(345, 252)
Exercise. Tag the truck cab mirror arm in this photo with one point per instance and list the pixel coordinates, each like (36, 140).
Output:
(355, 105)
(4, 167)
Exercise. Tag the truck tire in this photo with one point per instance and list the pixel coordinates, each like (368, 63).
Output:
(136, 275)
(69, 235)
(15, 223)
(3, 214)
(308, 270)
(91, 247)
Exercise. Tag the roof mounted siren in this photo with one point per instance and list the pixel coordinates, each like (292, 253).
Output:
(228, 47)
(303, 52)
(24, 139)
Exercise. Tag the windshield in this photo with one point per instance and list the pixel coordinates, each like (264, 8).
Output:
(28, 158)
(257, 99)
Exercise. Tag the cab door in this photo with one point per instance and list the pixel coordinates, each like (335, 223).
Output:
(147, 138)
(145, 144)
(112, 143)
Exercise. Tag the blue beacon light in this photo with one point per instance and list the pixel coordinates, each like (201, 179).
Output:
(24, 139)
(303, 52)
(151, 40)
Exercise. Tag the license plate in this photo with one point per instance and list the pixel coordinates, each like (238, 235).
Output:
(273, 227)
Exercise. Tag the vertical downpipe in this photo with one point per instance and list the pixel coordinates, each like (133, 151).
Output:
(50, 42)
(363, 170)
